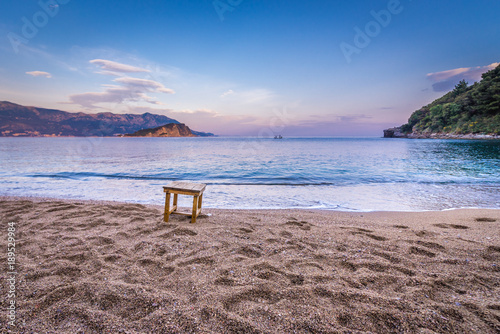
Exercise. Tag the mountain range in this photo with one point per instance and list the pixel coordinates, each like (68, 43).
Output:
(23, 121)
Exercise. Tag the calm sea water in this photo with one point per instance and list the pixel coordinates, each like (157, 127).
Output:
(329, 173)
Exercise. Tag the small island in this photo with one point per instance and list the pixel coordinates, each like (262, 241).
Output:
(167, 130)
(467, 112)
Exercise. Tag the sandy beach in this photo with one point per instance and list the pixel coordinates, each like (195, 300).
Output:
(105, 267)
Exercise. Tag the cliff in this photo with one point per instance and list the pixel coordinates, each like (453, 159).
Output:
(22, 121)
(167, 130)
(466, 112)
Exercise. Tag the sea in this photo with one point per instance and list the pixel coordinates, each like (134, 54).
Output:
(345, 174)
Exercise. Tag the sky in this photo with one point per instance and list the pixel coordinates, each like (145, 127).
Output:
(250, 68)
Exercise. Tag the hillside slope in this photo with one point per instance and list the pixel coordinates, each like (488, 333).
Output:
(465, 110)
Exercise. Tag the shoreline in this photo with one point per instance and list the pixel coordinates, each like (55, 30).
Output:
(101, 266)
(160, 206)
(397, 133)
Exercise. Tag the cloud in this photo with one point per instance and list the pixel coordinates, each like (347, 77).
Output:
(131, 89)
(229, 92)
(446, 80)
(353, 118)
(251, 96)
(40, 74)
(111, 66)
(150, 85)
(334, 118)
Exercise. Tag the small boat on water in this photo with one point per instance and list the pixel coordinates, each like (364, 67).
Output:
(278, 137)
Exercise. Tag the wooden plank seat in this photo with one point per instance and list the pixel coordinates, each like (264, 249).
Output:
(183, 188)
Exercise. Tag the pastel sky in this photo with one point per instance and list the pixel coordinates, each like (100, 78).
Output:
(241, 67)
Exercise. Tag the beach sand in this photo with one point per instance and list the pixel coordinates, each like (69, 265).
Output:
(104, 267)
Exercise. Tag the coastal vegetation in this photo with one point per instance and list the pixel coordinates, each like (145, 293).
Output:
(473, 109)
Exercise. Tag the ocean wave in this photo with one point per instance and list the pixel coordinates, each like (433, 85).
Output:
(264, 181)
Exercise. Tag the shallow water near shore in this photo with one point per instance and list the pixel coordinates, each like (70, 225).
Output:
(348, 174)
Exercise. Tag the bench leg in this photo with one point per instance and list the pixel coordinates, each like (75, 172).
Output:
(195, 209)
(199, 203)
(166, 214)
(174, 206)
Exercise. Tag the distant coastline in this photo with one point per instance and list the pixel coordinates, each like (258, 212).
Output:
(25, 121)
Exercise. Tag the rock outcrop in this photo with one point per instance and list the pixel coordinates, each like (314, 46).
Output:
(167, 130)
(397, 133)
(394, 133)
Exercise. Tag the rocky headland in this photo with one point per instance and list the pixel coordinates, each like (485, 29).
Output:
(167, 130)
(466, 112)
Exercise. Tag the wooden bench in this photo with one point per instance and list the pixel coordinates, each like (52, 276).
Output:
(184, 188)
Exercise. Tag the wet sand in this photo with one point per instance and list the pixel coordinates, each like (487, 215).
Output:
(106, 267)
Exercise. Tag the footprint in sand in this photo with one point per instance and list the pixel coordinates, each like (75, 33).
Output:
(375, 237)
(154, 268)
(485, 219)
(371, 236)
(206, 260)
(303, 225)
(387, 256)
(424, 233)
(179, 232)
(356, 229)
(101, 241)
(112, 258)
(224, 281)
(432, 245)
(68, 271)
(455, 226)
(61, 208)
(296, 279)
(245, 230)
(249, 252)
(257, 295)
(365, 232)
(400, 226)
(265, 275)
(492, 253)
(137, 220)
(421, 251)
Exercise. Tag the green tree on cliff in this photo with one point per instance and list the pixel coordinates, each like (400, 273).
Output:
(466, 109)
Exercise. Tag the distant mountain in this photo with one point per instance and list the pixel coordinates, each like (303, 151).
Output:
(21, 121)
(465, 112)
(167, 130)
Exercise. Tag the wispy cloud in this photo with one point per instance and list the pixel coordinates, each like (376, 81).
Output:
(226, 93)
(40, 74)
(131, 89)
(144, 84)
(446, 80)
(111, 67)
(251, 96)
(125, 89)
